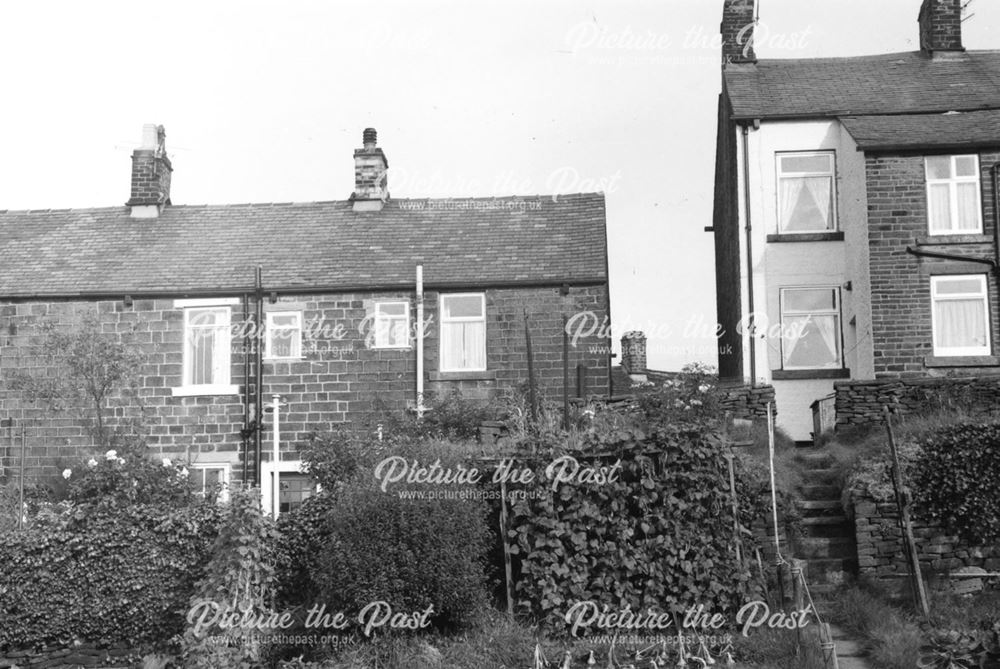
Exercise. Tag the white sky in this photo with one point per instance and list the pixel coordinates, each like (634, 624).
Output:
(265, 102)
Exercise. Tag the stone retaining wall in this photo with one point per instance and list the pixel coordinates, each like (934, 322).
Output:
(861, 402)
(90, 655)
(747, 402)
(880, 545)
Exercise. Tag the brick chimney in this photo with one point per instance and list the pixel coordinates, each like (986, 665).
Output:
(151, 171)
(634, 353)
(370, 166)
(737, 30)
(941, 26)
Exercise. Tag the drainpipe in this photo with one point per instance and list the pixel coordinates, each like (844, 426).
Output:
(420, 341)
(751, 329)
(245, 434)
(258, 376)
(995, 173)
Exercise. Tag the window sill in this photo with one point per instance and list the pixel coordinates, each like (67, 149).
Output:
(197, 391)
(392, 348)
(807, 237)
(802, 374)
(961, 361)
(937, 240)
(296, 359)
(484, 375)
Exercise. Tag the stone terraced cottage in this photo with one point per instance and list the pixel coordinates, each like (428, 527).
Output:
(340, 287)
(855, 222)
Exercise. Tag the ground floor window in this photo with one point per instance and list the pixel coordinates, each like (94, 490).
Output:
(810, 328)
(960, 315)
(294, 486)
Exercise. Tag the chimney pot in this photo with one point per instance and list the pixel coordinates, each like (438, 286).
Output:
(369, 138)
(634, 354)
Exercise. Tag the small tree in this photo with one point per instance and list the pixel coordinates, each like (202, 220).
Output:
(83, 370)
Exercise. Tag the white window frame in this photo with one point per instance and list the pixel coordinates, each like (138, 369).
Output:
(267, 471)
(269, 330)
(226, 477)
(835, 311)
(952, 183)
(382, 342)
(462, 319)
(779, 175)
(958, 351)
(222, 385)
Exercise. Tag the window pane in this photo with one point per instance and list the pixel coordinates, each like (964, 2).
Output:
(940, 209)
(391, 308)
(202, 358)
(463, 346)
(465, 306)
(968, 216)
(791, 164)
(282, 344)
(397, 332)
(285, 320)
(806, 204)
(959, 286)
(811, 341)
(293, 490)
(960, 323)
(939, 167)
(965, 166)
(824, 299)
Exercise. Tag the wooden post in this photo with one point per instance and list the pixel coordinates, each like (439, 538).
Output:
(565, 352)
(736, 507)
(910, 547)
(827, 645)
(508, 578)
(531, 371)
(798, 598)
(774, 507)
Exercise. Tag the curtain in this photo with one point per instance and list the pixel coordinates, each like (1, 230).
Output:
(968, 218)
(940, 213)
(815, 345)
(806, 204)
(960, 323)
(463, 345)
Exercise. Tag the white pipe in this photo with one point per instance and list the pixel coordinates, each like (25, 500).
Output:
(275, 457)
(420, 341)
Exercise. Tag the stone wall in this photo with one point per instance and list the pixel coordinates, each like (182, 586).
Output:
(861, 402)
(340, 378)
(880, 545)
(746, 401)
(90, 655)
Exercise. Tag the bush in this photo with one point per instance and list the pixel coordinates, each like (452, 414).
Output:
(957, 480)
(660, 535)
(117, 574)
(411, 553)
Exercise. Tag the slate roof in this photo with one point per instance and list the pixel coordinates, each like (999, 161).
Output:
(898, 83)
(901, 132)
(488, 241)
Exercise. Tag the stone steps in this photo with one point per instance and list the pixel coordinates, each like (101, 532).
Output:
(826, 547)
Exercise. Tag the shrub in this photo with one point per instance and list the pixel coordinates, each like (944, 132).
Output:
(411, 553)
(240, 577)
(304, 533)
(658, 536)
(116, 574)
(957, 480)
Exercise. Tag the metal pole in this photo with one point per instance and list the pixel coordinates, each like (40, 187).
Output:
(20, 482)
(247, 347)
(258, 376)
(565, 373)
(774, 506)
(736, 507)
(420, 341)
(508, 578)
(275, 456)
(533, 408)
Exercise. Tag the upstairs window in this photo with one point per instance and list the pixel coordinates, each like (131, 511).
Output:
(806, 192)
(284, 335)
(960, 315)
(810, 328)
(392, 324)
(953, 205)
(206, 347)
(463, 332)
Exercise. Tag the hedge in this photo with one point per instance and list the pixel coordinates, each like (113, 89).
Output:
(103, 575)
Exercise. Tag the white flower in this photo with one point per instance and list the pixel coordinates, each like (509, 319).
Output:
(183, 473)
(67, 473)
(696, 403)
(167, 463)
(704, 388)
(111, 455)
(121, 461)
(92, 463)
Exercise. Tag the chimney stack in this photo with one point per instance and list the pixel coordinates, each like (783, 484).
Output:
(634, 354)
(151, 171)
(941, 26)
(738, 23)
(370, 166)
